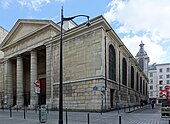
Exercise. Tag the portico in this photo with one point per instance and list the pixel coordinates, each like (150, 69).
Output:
(26, 60)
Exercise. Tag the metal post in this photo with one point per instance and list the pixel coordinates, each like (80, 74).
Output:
(24, 112)
(66, 117)
(119, 119)
(10, 110)
(88, 118)
(61, 73)
(61, 63)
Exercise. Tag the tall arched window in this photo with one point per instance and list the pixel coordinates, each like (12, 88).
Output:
(137, 81)
(141, 85)
(112, 63)
(132, 77)
(141, 63)
(124, 72)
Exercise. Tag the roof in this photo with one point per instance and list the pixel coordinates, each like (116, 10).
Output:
(141, 52)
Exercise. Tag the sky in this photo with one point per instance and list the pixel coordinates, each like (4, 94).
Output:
(133, 20)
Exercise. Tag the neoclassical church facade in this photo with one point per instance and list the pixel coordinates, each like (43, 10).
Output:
(97, 67)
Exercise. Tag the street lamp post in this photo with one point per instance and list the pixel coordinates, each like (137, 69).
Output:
(61, 63)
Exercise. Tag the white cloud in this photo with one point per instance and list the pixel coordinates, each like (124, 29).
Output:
(36, 4)
(5, 3)
(147, 15)
(154, 50)
(146, 20)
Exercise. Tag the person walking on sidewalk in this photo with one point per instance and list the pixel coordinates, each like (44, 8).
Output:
(152, 104)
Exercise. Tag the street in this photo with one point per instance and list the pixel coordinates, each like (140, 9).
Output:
(144, 115)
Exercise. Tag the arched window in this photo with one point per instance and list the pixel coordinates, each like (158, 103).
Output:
(124, 72)
(144, 87)
(137, 81)
(112, 63)
(141, 85)
(132, 77)
(141, 63)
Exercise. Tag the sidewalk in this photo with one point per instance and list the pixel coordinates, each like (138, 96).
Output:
(145, 115)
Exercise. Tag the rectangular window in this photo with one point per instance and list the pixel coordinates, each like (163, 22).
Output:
(151, 93)
(167, 69)
(160, 76)
(167, 76)
(151, 81)
(160, 82)
(160, 88)
(160, 70)
(168, 82)
(151, 87)
(151, 74)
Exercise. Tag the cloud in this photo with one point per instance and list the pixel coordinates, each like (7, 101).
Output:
(154, 50)
(36, 4)
(5, 3)
(142, 19)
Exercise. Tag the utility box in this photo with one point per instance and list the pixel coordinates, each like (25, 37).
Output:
(42, 113)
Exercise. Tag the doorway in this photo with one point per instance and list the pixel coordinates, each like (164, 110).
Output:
(111, 97)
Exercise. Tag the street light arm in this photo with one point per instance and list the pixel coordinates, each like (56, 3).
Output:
(70, 18)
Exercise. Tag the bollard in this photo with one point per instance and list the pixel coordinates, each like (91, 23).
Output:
(17, 108)
(3, 108)
(36, 109)
(124, 108)
(66, 117)
(24, 113)
(134, 107)
(10, 110)
(119, 119)
(47, 109)
(88, 118)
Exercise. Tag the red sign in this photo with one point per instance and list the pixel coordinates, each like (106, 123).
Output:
(37, 83)
(167, 87)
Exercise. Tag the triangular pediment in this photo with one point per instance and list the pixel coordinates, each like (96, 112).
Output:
(23, 28)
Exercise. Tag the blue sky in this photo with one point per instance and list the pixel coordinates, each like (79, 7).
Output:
(133, 20)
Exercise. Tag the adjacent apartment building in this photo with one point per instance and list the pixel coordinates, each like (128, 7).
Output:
(159, 77)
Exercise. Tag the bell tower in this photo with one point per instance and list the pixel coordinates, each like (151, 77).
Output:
(142, 58)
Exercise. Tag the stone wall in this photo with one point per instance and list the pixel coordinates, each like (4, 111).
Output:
(80, 95)
(81, 57)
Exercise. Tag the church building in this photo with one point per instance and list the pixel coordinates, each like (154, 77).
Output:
(98, 69)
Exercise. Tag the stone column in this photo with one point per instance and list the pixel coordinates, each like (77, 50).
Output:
(20, 99)
(8, 83)
(49, 75)
(33, 95)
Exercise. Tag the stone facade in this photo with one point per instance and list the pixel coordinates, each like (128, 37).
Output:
(31, 52)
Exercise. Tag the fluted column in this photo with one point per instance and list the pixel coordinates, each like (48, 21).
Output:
(34, 96)
(8, 83)
(20, 99)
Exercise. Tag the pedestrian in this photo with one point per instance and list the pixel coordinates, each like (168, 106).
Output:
(152, 104)
(141, 103)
